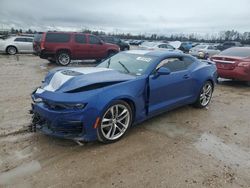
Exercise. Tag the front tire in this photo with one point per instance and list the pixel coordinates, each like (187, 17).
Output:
(63, 58)
(205, 95)
(115, 122)
(11, 50)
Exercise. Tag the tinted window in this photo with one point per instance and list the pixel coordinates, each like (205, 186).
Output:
(94, 40)
(57, 37)
(238, 52)
(29, 40)
(80, 39)
(176, 64)
(20, 40)
(38, 37)
(211, 48)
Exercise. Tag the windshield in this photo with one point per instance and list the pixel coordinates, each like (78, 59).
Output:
(134, 64)
(238, 52)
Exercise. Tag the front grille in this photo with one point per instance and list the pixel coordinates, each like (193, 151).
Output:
(68, 128)
(63, 127)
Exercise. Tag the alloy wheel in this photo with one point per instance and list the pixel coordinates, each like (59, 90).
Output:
(11, 50)
(115, 121)
(64, 58)
(206, 94)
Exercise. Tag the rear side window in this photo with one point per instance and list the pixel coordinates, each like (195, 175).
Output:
(94, 40)
(176, 64)
(57, 37)
(80, 39)
(20, 40)
(29, 40)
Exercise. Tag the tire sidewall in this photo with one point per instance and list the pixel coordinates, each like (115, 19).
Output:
(198, 102)
(11, 47)
(100, 136)
(58, 56)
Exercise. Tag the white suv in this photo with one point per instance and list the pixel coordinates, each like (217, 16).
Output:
(18, 44)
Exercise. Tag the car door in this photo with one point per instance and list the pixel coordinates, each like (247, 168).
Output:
(96, 47)
(29, 42)
(21, 44)
(169, 91)
(212, 50)
(80, 47)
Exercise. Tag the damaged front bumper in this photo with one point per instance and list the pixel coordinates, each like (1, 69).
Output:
(61, 124)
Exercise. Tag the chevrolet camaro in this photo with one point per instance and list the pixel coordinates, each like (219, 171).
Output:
(103, 102)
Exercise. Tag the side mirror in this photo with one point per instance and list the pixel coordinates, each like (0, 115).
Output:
(163, 71)
(101, 42)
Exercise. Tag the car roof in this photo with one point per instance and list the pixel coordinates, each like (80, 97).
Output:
(156, 53)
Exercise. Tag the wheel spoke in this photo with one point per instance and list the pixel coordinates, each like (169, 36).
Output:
(123, 112)
(106, 120)
(122, 124)
(114, 129)
(118, 128)
(116, 111)
(106, 125)
(109, 132)
(112, 111)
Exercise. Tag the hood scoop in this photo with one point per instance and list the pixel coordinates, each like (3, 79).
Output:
(93, 86)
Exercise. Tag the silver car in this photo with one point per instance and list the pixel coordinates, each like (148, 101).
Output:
(18, 44)
(158, 46)
(204, 51)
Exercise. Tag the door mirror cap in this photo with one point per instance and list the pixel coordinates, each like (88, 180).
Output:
(163, 71)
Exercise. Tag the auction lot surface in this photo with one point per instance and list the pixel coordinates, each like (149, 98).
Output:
(186, 147)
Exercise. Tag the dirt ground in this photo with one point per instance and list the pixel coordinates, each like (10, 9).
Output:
(186, 147)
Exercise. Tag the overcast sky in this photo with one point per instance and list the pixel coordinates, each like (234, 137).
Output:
(135, 16)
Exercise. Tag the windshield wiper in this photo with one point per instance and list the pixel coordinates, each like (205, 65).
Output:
(124, 66)
(108, 62)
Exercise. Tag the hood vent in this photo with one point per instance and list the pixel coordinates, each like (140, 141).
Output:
(93, 86)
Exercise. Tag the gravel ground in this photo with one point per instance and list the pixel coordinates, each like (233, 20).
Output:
(186, 147)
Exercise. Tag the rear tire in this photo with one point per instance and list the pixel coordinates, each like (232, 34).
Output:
(205, 95)
(63, 58)
(115, 122)
(11, 50)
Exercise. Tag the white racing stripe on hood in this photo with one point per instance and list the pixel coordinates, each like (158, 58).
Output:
(59, 78)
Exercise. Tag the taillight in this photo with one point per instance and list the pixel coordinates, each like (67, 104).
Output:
(244, 64)
(42, 41)
(42, 45)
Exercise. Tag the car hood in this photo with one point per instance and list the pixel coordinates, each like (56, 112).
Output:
(71, 80)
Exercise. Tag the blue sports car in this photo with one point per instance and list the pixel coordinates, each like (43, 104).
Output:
(103, 102)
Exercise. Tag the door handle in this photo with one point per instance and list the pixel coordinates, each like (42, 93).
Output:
(186, 76)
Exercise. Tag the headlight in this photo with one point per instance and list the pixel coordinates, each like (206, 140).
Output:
(77, 106)
(37, 100)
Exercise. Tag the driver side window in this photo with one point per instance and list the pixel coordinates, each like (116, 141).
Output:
(176, 63)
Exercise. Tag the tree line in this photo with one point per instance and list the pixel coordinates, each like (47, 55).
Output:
(230, 35)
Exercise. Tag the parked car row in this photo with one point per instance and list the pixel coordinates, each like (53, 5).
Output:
(158, 46)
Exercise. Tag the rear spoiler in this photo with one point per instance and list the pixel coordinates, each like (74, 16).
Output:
(208, 62)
